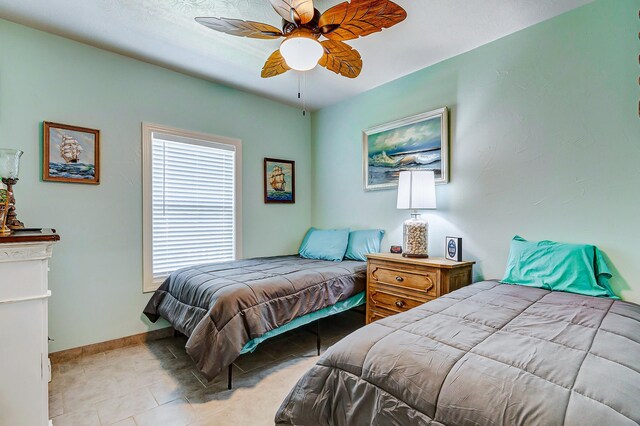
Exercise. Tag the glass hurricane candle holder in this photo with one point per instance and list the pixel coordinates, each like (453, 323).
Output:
(9, 163)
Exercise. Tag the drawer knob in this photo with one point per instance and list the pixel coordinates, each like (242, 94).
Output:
(399, 279)
(400, 303)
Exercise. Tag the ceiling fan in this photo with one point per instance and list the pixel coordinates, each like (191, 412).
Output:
(303, 26)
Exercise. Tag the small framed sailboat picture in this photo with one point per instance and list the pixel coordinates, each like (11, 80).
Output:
(70, 154)
(279, 181)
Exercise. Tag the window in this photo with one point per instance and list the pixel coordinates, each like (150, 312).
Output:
(191, 199)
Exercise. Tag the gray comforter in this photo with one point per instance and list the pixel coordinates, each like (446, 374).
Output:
(222, 306)
(487, 354)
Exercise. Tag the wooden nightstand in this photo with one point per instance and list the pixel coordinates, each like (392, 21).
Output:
(396, 284)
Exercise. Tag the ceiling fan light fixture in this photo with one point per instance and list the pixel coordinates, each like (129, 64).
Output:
(301, 53)
(303, 25)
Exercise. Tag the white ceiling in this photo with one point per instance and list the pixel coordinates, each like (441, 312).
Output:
(164, 32)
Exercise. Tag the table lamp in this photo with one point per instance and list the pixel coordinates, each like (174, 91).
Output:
(9, 168)
(416, 191)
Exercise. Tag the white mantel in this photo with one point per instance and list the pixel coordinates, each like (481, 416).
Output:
(15, 252)
(24, 362)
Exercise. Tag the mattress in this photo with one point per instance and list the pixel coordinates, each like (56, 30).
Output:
(223, 306)
(487, 354)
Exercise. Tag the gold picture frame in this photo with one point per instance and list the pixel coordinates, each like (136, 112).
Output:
(70, 154)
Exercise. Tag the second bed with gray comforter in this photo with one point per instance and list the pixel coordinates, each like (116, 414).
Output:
(222, 306)
(487, 354)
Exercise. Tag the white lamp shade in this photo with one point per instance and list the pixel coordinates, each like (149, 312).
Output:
(301, 53)
(417, 190)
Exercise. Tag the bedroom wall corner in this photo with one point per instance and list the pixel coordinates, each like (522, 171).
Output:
(544, 143)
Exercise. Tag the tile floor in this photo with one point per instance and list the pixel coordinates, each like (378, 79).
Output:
(158, 384)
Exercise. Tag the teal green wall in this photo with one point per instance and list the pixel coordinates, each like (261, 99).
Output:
(96, 270)
(545, 143)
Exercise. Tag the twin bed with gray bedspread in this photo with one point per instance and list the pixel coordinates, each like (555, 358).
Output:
(222, 306)
(487, 354)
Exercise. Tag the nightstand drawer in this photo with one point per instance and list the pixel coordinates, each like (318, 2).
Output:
(381, 299)
(424, 281)
(373, 315)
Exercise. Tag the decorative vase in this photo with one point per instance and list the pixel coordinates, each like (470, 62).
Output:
(415, 237)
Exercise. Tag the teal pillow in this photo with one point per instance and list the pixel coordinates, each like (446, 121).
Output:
(325, 244)
(574, 268)
(363, 242)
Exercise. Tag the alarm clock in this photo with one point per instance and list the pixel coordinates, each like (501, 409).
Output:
(396, 249)
(453, 249)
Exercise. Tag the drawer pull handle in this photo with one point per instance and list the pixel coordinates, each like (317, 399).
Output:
(400, 303)
(399, 279)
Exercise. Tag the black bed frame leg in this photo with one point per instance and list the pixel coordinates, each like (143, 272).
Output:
(318, 336)
(230, 378)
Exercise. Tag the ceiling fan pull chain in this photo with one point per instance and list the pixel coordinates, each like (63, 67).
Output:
(301, 86)
(304, 89)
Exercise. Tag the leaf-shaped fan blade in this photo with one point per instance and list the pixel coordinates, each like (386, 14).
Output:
(241, 28)
(298, 11)
(341, 58)
(275, 65)
(359, 18)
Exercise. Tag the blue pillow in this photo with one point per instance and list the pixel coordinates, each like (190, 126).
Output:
(574, 268)
(363, 242)
(325, 244)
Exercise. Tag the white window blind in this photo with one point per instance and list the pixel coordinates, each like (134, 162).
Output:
(192, 204)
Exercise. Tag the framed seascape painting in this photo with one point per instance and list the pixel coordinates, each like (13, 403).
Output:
(70, 154)
(420, 142)
(279, 181)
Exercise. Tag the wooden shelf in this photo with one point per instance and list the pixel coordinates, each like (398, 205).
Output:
(43, 235)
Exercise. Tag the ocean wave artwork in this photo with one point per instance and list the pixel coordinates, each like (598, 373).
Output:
(280, 195)
(414, 143)
(72, 170)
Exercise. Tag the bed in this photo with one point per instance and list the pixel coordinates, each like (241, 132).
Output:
(228, 308)
(487, 354)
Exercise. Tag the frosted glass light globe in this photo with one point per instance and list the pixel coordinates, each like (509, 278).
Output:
(301, 53)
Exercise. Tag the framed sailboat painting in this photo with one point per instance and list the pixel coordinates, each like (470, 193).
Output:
(279, 181)
(70, 154)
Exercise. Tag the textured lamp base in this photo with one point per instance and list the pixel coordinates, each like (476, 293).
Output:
(415, 237)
